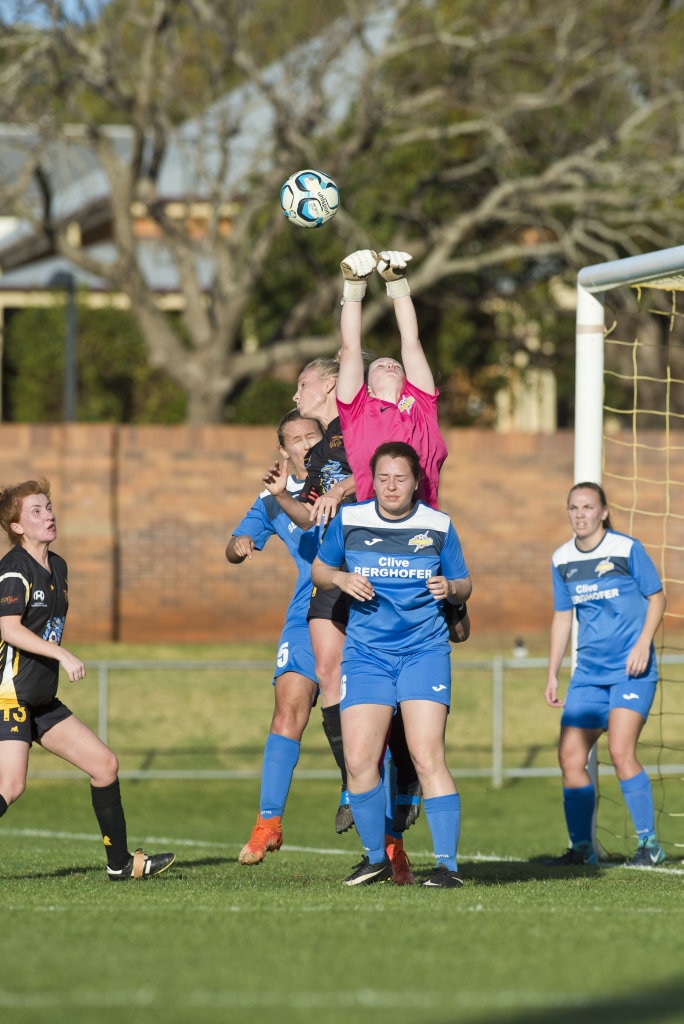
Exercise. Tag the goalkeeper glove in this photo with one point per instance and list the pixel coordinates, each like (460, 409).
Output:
(392, 267)
(356, 269)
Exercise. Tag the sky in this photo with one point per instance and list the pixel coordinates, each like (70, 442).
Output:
(41, 12)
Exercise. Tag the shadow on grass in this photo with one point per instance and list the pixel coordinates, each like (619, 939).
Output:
(77, 871)
(504, 871)
(663, 1003)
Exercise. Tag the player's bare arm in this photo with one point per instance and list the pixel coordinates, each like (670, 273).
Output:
(20, 637)
(392, 267)
(640, 655)
(239, 548)
(327, 577)
(456, 591)
(561, 627)
(275, 481)
(325, 507)
(356, 269)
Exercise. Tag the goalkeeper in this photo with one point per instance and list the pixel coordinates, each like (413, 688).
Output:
(392, 402)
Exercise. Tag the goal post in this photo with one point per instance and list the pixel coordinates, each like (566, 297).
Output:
(663, 270)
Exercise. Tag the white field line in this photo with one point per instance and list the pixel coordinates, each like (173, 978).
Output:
(347, 998)
(318, 851)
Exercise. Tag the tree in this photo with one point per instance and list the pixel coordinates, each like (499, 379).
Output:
(504, 145)
(115, 382)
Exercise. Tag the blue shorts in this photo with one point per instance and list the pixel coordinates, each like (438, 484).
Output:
(377, 677)
(588, 705)
(295, 653)
(28, 722)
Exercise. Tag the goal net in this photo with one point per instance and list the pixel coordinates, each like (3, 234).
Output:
(629, 436)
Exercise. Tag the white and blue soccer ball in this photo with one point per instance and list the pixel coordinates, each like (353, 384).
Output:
(309, 198)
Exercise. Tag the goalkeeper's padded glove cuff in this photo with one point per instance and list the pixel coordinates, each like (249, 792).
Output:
(353, 291)
(396, 289)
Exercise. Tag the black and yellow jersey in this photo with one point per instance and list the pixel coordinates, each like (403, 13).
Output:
(40, 597)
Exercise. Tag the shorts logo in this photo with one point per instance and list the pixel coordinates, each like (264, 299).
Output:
(438, 689)
(630, 696)
(420, 541)
(343, 688)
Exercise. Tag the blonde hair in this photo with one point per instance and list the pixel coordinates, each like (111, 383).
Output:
(324, 368)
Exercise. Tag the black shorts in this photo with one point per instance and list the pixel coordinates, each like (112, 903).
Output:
(329, 604)
(28, 722)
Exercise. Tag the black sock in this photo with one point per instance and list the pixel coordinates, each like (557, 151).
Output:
(110, 817)
(3, 806)
(332, 728)
(405, 768)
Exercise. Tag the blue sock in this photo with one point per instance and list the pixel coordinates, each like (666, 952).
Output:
(578, 805)
(638, 796)
(443, 815)
(280, 758)
(369, 817)
(389, 782)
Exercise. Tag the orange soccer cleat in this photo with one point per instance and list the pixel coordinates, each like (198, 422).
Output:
(267, 835)
(401, 865)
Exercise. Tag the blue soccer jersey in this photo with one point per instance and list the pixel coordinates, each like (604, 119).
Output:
(266, 519)
(398, 557)
(608, 589)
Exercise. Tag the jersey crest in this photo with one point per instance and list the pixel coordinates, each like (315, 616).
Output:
(604, 566)
(419, 541)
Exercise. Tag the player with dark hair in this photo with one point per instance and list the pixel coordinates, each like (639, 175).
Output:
(329, 484)
(33, 607)
(398, 560)
(295, 687)
(610, 583)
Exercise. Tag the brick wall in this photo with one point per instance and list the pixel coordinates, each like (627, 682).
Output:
(144, 514)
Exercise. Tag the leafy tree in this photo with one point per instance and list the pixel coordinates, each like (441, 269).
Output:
(115, 381)
(504, 145)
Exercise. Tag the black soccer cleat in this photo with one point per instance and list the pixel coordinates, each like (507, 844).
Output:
(141, 865)
(366, 873)
(443, 878)
(573, 857)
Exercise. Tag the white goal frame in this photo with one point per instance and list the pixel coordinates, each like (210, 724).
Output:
(661, 269)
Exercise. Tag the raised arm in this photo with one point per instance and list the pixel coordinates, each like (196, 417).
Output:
(356, 269)
(392, 267)
(275, 479)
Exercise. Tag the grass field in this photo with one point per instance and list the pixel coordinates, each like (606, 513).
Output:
(213, 941)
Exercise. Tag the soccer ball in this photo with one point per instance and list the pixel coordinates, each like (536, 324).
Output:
(309, 198)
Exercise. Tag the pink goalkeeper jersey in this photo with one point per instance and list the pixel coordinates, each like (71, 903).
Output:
(368, 422)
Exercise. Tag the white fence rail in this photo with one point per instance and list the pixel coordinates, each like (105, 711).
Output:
(496, 771)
